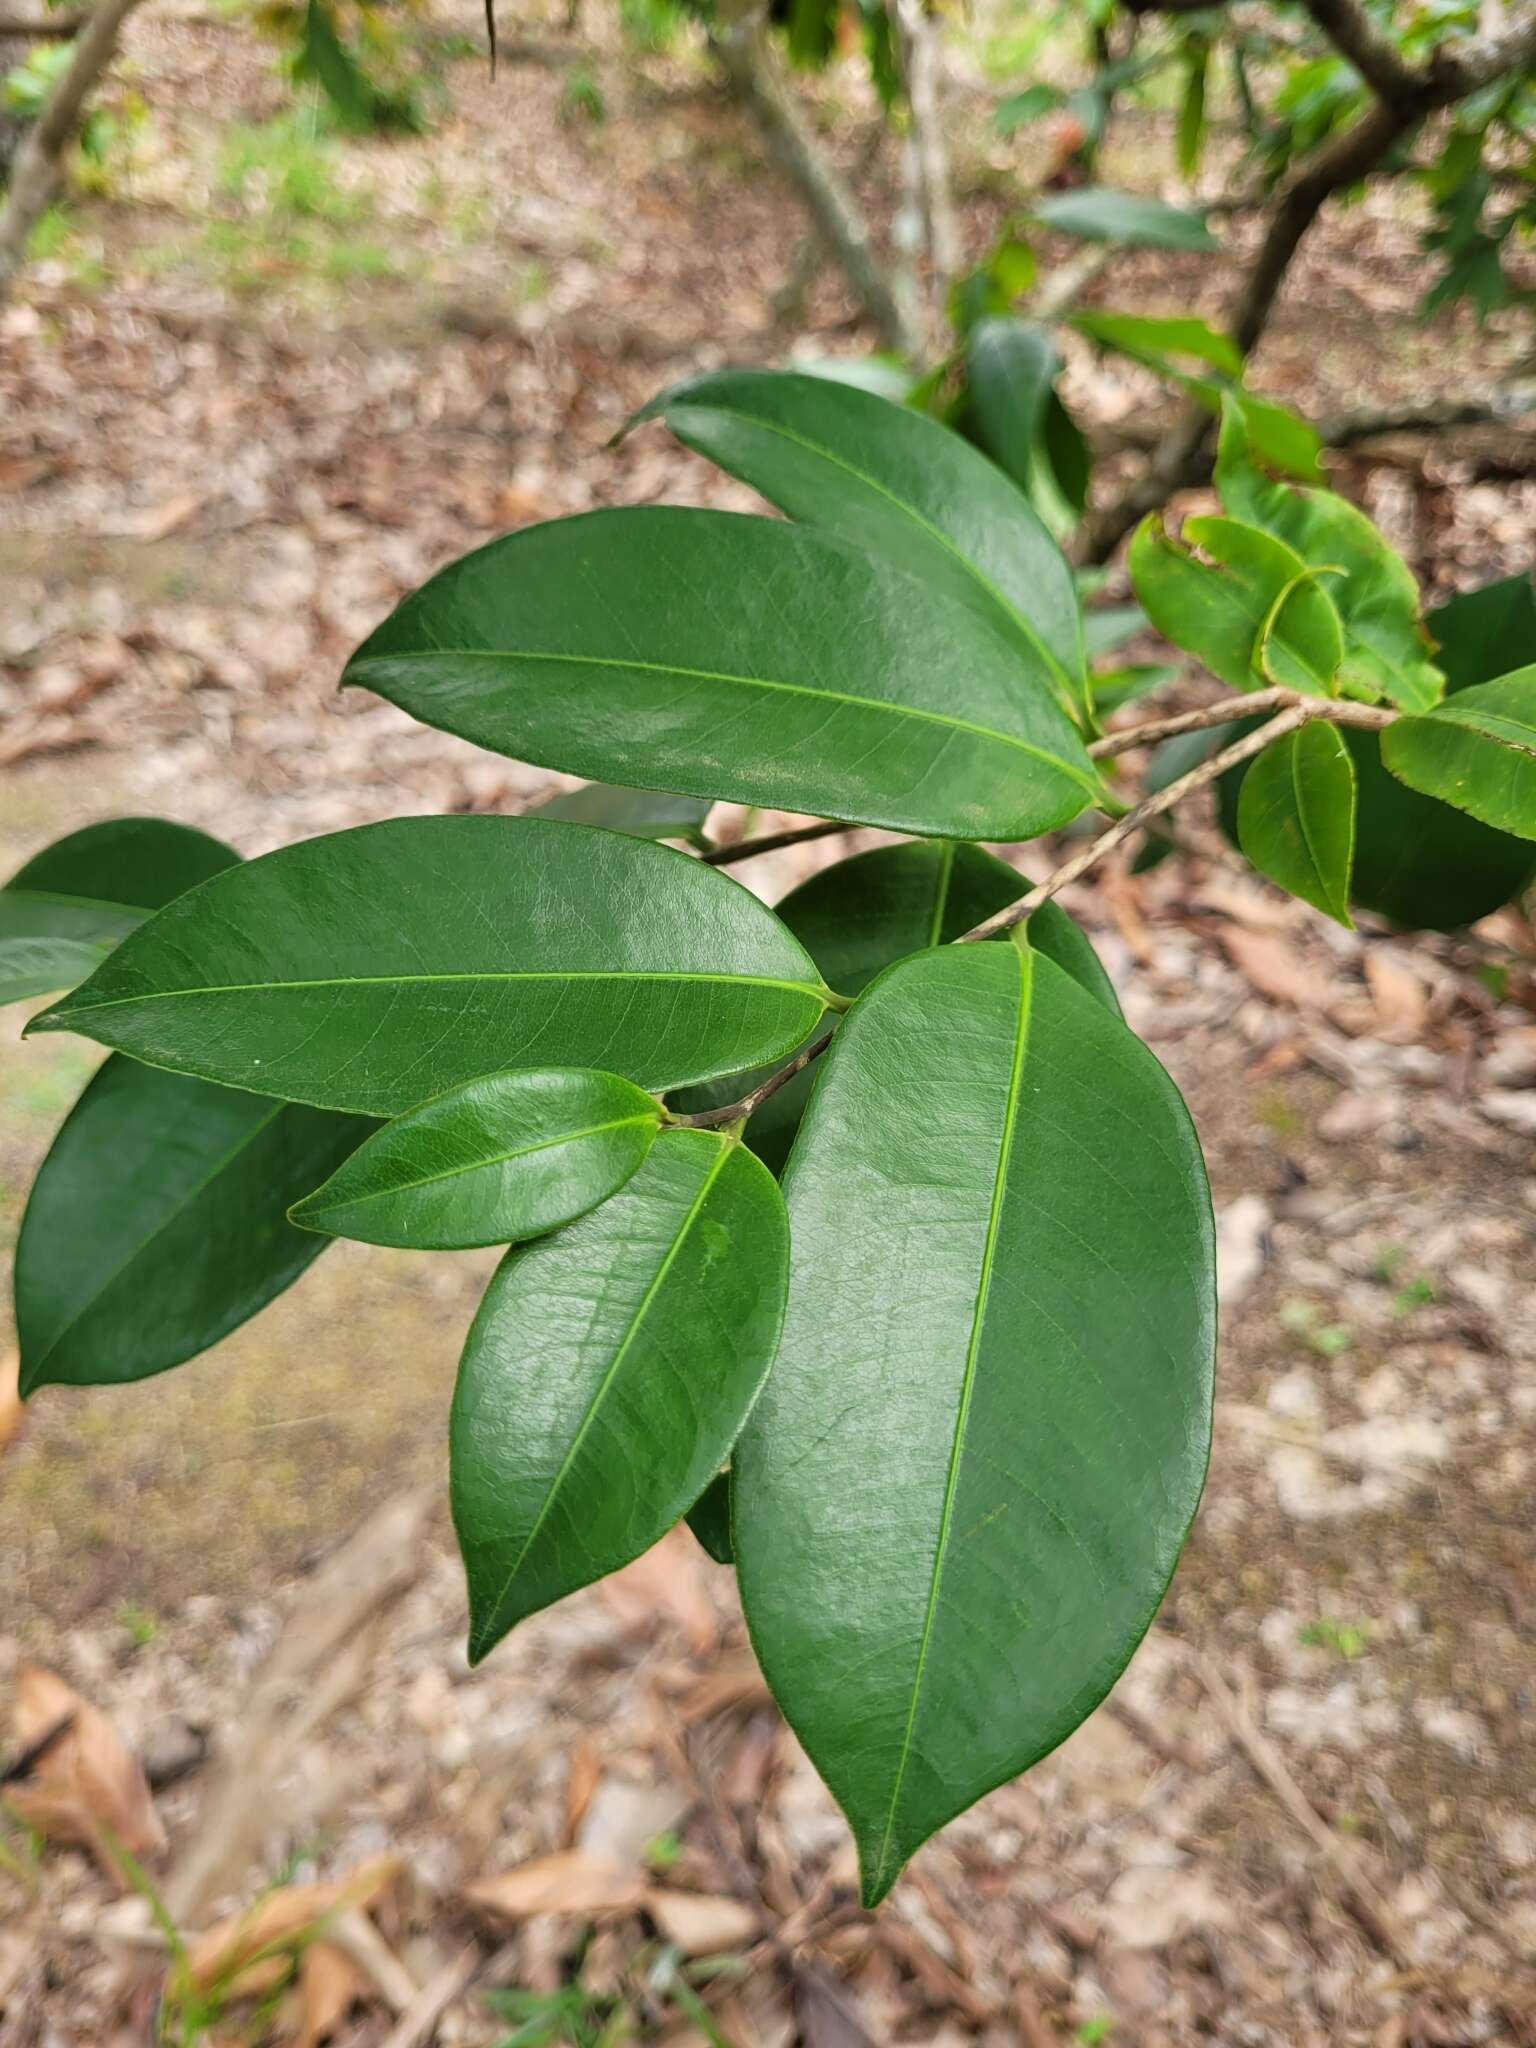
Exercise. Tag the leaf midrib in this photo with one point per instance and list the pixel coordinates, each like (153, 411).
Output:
(69, 1010)
(967, 1387)
(972, 567)
(168, 1217)
(359, 670)
(1512, 734)
(726, 1146)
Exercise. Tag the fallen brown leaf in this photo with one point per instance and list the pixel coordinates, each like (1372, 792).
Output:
(13, 1410)
(1276, 970)
(700, 1925)
(581, 1781)
(667, 1580)
(279, 1920)
(570, 1882)
(330, 1984)
(87, 1787)
(159, 522)
(1401, 999)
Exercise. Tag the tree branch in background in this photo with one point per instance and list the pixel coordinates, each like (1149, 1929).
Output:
(744, 56)
(1403, 99)
(39, 165)
(41, 27)
(920, 65)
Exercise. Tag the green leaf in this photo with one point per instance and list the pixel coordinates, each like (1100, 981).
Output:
(1115, 687)
(1016, 414)
(502, 1158)
(1257, 618)
(961, 1496)
(897, 483)
(35, 967)
(642, 813)
(1191, 133)
(1020, 109)
(710, 1519)
(97, 884)
(1096, 213)
(368, 969)
(608, 1374)
(157, 1223)
(830, 683)
(1477, 752)
(1151, 339)
(1386, 648)
(1296, 817)
(863, 914)
(65, 909)
(1111, 626)
(1480, 630)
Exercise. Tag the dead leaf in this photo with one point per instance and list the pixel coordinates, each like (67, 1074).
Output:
(160, 521)
(581, 1781)
(330, 1984)
(1401, 999)
(87, 1787)
(279, 1920)
(668, 1581)
(13, 1410)
(735, 1682)
(571, 1882)
(1276, 970)
(703, 1926)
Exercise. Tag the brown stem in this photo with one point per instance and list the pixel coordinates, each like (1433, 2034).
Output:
(1157, 729)
(738, 1112)
(770, 842)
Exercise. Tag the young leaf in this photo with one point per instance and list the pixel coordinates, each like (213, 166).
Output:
(959, 1500)
(1386, 649)
(1477, 752)
(710, 1519)
(367, 969)
(502, 1158)
(863, 914)
(643, 813)
(1259, 617)
(831, 682)
(158, 1223)
(608, 1374)
(895, 482)
(1099, 214)
(1296, 817)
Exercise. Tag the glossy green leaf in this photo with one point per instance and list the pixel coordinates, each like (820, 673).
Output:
(608, 1373)
(35, 967)
(1152, 338)
(369, 969)
(831, 682)
(1257, 617)
(96, 883)
(1097, 213)
(499, 1159)
(897, 483)
(865, 913)
(1296, 817)
(959, 1500)
(157, 1223)
(1386, 647)
(1476, 752)
(642, 813)
(710, 1519)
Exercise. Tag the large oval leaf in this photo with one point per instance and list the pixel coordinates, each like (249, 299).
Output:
(898, 483)
(727, 656)
(158, 1223)
(369, 969)
(73, 901)
(499, 1159)
(608, 1373)
(1476, 752)
(863, 914)
(959, 1501)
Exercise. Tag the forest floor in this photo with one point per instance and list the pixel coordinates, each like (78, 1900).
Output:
(245, 403)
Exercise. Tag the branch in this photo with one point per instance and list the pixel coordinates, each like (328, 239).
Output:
(1291, 719)
(37, 27)
(38, 166)
(770, 842)
(1133, 736)
(738, 1112)
(748, 63)
(920, 64)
